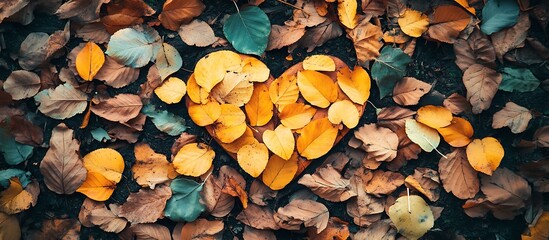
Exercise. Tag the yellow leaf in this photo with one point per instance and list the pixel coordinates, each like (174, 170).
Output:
(485, 155)
(260, 108)
(89, 60)
(316, 139)
(196, 93)
(105, 161)
(210, 70)
(9, 227)
(540, 230)
(231, 124)
(151, 168)
(296, 115)
(434, 116)
(317, 88)
(279, 172)
(234, 89)
(171, 90)
(356, 85)
(193, 159)
(257, 70)
(413, 23)
(344, 112)
(204, 114)
(246, 139)
(424, 136)
(253, 158)
(280, 141)
(97, 187)
(14, 199)
(458, 133)
(346, 10)
(319, 63)
(465, 4)
(284, 90)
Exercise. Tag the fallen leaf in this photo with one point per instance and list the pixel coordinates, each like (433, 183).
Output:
(482, 84)
(413, 23)
(284, 90)
(319, 63)
(378, 230)
(62, 167)
(458, 133)
(344, 112)
(317, 88)
(24, 131)
(366, 40)
(279, 172)
(193, 159)
(211, 69)
(248, 30)
(389, 68)
(505, 188)
(107, 220)
(62, 102)
(59, 229)
(258, 217)
(165, 121)
(116, 75)
(171, 91)
(121, 108)
(255, 234)
(145, 206)
(374, 8)
(409, 90)
(296, 115)
(394, 117)
(197, 33)
(93, 32)
(105, 166)
(182, 140)
(346, 10)
(407, 150)
(176, 12)
(328, 184)
(425, 181)
(337, 229)
(317, 35)
(475, 49)
(513, 116)
(168, 60)
(282, 36)
(202, 229)
(539, 230)
(233, 188)
(260, 193)
(356, 84)
(204, 114)
(84, 215)
(218, 203)
(9, 226)
(260, 108)
(457, 175)
(151, 168)
(15, 199)
(427, 138)
(32, 52)
(485, 154)
(231, 124)
(434, 116)
(308, 212)
(184, 192)
(256, 70)
(457, 104)
(150, 231)
(316, 139)
(306, 14)
(253, 158)
(81, 10)
(511, 38)
(22, 84)
(134, 47)
(465, 4)
(246, 139)
(446, 23)
(518, 80)
(411, 216)
(380, 183)
(380, 143)
(13, 152)
(280, 141)
(89, 60)
(497, 15)
(365, 207)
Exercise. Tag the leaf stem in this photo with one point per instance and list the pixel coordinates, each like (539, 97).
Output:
(409, 205)
(372, 104)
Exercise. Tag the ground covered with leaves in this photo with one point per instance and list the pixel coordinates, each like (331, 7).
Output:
(307, 119)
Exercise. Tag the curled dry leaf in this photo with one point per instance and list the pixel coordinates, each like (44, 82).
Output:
(197, 33)
(105, 166)
(233, 188)
(511, 38)
(457, 175)
(218, 203)
(365, 208)
(380, 143)
(151, 168)
(115, 74)
(259, 193)
(22, 84)
(258, 217)
(328, 184)
(318, 35)
(425, 181)
(62, 102)
(366, 40)
(485, 154)
(513, 116)
(168, 60)
(308, 212)
(202, 229)
(145, 206)
(107, 220)
(121, 108)
(62, 167)
(409, 90)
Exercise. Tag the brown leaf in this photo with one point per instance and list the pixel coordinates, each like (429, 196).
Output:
(259, 193)
(25, 132)
(284, 35)
(407, 150)
(337, 160)
(511, 38)
(395, 8)
(62, 166)
(121, 132)
(153, 81)
(121, 108)
(328, 184)
(394, 117)
(477, 49)
(62, 102)
(482, 84)
(56, 42)
(382, 183)
(219, 204)
(176, 12)
(182, 140)
(255, 234)
(308, 212)
(425, 181)
(151, 168)
(337, 229)
(59, 229)
(505, 188)
(22, 84)
(258, 217)
(374, 8)
(32, 52)
(306, 14)
(378, 230)
(364, 206)
(513, 116)
(317, 36)
(409, 90)
(197, 33)
(202, 229)
(93, 32)
(537, 172)
(11, 7)
(85, 211)
(380, 143)
(366, 38)
(49, 77)
(233, 188)
(107, 220)
(446, 22)
(146, 206)
(457, 104)
(82, 11)
(116, 75)
(457, 175)
(150, 231)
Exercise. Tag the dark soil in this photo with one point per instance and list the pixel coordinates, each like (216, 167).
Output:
(432, 62)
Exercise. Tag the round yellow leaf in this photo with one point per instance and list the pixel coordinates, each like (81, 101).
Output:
(97, 187)
(411, 216)
(246, 139)
(211, 69)
(316, 139)
(356, 84)
(344, 112)
(193, 159)
(89, 60)
(257, 70)
(284, 90)
(280, 141)
(434, 116)
(204, 114)
(317, 88)
(319, 63)
(279, 172)
(485, 155)
(105, 161)
(196, 93)
(413, 23)
(253, 158)
(346, 10)
(458, 133)
(171, 90)
(231, 124)
(234, 89)
(296, 115)
(260, 108)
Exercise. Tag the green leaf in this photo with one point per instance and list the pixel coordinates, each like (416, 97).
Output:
(165, 121)
(134, 47)
(14, 152)
(184, 205)
(389, 68)
(5, 176)
(499, 14)
(100, 135)
(518, 79)
(248, 30)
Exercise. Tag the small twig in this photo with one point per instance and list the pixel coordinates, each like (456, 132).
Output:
(408, 194)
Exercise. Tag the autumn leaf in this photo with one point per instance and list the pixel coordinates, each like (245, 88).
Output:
(413, 23)
(233, 188)
(134, 47)
(409, 90)
(411, 216)
(236, 88)
(9, 226)
(511, 38)
(146, 205)
(317, 88)
(539, 230)
(89, 60)
(260, 193)
(248, 30)
(485, 154)
(505, 188)
(477, 48)
(231, 124)
(296, 115)
(482, 84)
(366, 39)
(15, 199)
(424, 136)
(252, 233)
(518, 80)
(186, 192)
(346, 10)
(258, 217)
(151, 168)
(62, 102)
(216, 202)
(389, 68)
(344, 112)
(253, 158)
(279, 172)
(260, 108)
(457, 175)
(284, 90)
(434, 116)
(176, 12)
(115, 74)
(381, 182)
(150, 231)
(457, 104)
(193, 159)
(374, 8)
(197, 33)
(316, 139)
(499, 14)
(356, 84)
(378, 230)
(105, 166)
(306, 14)
(394, 117)
(425, 181)
(458, 133)
(513, 116)
(319, 63)
(202, 228)
(246, 139)
(22, 84)
(280, 141)
(121, 108)
(168, 60)
(107, 220)
(381, 143)
(337, 229)
(171, 91)
(309, 212)
(328, 184)
(446, 23)
(318, 35)
(204, 114)
(211, 69)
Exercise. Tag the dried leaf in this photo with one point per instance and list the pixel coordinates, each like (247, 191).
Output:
(306, 14)
(366, 40)
(319, 63)
(413, 23)
(202, 229)
(62, 102)
(344, 112)
(280, 141)
(255, 234)
(505, 188)
(258, 217)
(316, 139)
(318, 35)
(457, 175)
(233, 188)
(434, 116)
(457, 104)
(356, 84)
(107, 220)
(115, 74)
(253, 158)
(425, 181)
(219, 204)
(121, 108)
(284, 35)
(317, 88)
(193, 159)
(482, 84)
(328, 184)
(309, 212)
(511, 38)
(346, 10)
(259, 109)
(15, 199)
(394, 117)
(24, 131)
(176, 12)
(382, 183)
(211, 69)
(171, 91)
(446, 23)
(145, 206)
(485, 154)
(380, 143)
(477, 49)
(197, 33)
(89, 60)
(336, 230)
(105, 166)
(409, 90)
(296, 115)
(458, 133)
(513, 116)
(150, 231)
(22, 84)
(260, 193)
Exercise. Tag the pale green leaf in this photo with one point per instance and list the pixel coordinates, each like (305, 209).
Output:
(499, 14)
(184, 205)
(518, 79)
(165, 121)
(134, 47)
(248, 30)
(389, 68)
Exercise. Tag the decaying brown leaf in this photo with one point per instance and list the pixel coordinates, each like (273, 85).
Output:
(380, 143)
(374, 8)
(337, 229)
(176, 12)
(328, 183)
(259, 193)
(382, 183)
(511, 38)
(197, 33)
(151, 168)
(513, 116)
(258, 217)
(146, 206)
(366, 38)
(202, 229)
(284, 35)
(482, 84)
(121, 108)
(308, 212)
(85, 211)
(365, 208)
(446, 22)
(409, 90)
(476, 49)
(318, 35)
(24, 131)
(378, 230)
(233, 188)
(256, 234)
(425, 181)
(218, 203)
(116, 75)
(150, 231)
(457, 104)
(58, 229)
(22, 84)
(457, 175)
(82, 11)
(394, 117)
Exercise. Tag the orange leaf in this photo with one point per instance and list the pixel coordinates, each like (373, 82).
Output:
(253, 158)
(231, 124)
(204, 114)
(279, 172)
(319, 63)
(458, 133)
(434, 116)
(296, 115)
(316, 139)
(89, 60)
(284, 90)
(485, 155)
(260, 108)
(356, 85)
(280, 141)
(233, 188)
(344, 112)
(447, 21)
(413, 23)
(540, 230)
(346, 10)
(317, 88)
(457, 175)
(366, 39)
(176, 12)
